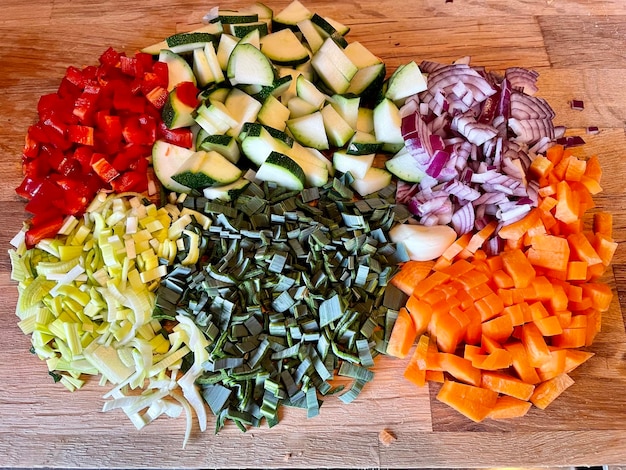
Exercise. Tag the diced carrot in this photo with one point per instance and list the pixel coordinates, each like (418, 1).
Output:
(574, 358)
(494, 263)
(473, 353)
(460, 368)
(494, 305)
(555, 153)
(596, 271)
(521, 363)
(474, 329)
(507, 407)
(515, 312)
(549, 326)
(410, 274)
(549, 251)
(433, 357)
(506, 295)
(537, 311)
(458, 268)
(421, 351)
(479, 291)
(459, 245)
(449, 332)
(420, 312)
(441, 263)
(600, 294)
(564, 317)
(402, 336)
(541, 166)
(434, 376)
(546, 392)
(499, 328)
(544, 289)
(555, 366)
(576, 271)
(481, 236)
(516, 230)
(580, 245)
(507, 385)
(558, 172)
(578, 321)
(414, 374)
(575, 169)
(605, 248)
(429, 282)
(498, 359)
(416, 368)
(594, 169)
(603, 224)
(433, 296)
(567, 205)
(547, 189)
(583, 305)
(570, 338)
(502, 279)
(518, 267)
(547, 204)
(489, 345)
(574, 293)
(472, 401)
(591, 184)
(535, 344)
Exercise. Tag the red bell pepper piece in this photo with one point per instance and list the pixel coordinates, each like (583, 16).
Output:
(157, 96)
(110, 57)
(42, 230)
(187, 93)
(130, 181)
(110, 125)
(103, 168)
(28, 187)
(31, 146)
(75, 76)
(82, 135)
(128, 65)
(43, 197)
(162, 72)
(182, 137)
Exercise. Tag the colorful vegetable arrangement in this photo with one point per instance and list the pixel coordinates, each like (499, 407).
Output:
(260, 279)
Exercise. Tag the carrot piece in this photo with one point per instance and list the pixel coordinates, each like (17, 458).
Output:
(441, 263)
(546, 392)
(600, 295)
(472, 401)
(416, 368)
(410, 274)
(496, 360)
(434, 296)
(547, 204)
(605, 248)
(549, 326)
(479, 291)
(494, 263)
(576, 271)
(591, 185)
(558, 172)
(449, 332)
(535, 344)
(507, 407)
(502, 279)
(544, 289)
(541, 166)
(429, 282)
(517, 266)
(433, 357)
(581, 306)
(578, 321)
(596, 271)
(582, 248)
(460, 368)
(516, 230)
(420, 312)
(434, 376)
(575, 169)
(489, 345)
(515, 312)
(490, 306)
(603, 224)
(458, 268)
(564, 317)
(499, 328)
(555, 153)
(537, 311)
(546, 189)
(402, 336)
(506, 295)
(459, 245)
(553, 367)
(473, 353)
(574, 358)
(507, 385)
(481, 236)
(567, 205)
(594, 169)
(574, 293)
(549, 251)
(474, 329)
(521, 363)
(570, 338)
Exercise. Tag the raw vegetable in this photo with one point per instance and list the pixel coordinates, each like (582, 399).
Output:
(512, 323)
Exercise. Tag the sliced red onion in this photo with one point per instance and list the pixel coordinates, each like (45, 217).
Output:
(522, 79)
(440, 158)
(475, 132)
(571, 141)
(530, 131)
(463, 219)
(504, 106)
(577, 105)
(529, 107)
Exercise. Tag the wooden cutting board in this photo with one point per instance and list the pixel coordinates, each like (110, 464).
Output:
(578, 48)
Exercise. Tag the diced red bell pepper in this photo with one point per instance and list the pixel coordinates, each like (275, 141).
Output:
(68, 90)
(82, 135)
(187, 93)
(47, 229)
(144, 63)
(124, 100)
(83, 155)
(140, 130)
(28, 187)
(130, 181)
(110, 57)
(158, 97)
(129, 154)
(162, 72)
(111, 126)
(75, 76)
(37, 168)
(182, 137)
(104, 169)
(31, 146)
(46, 194)
(128, 65)
(85, 107)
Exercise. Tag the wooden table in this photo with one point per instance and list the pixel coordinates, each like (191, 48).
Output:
(576, 45)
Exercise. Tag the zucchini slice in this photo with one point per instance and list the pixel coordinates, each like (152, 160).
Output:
(281, 169)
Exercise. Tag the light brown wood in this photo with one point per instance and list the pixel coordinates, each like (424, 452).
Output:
(576, 45)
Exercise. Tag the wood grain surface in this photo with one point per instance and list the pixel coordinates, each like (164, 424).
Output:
(578, 48)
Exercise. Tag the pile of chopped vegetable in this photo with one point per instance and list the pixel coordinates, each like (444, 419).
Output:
(277, 254)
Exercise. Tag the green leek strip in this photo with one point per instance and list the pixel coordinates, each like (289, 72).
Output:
(353, 392)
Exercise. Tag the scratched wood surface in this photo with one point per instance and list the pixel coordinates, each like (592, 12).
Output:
(578, 48)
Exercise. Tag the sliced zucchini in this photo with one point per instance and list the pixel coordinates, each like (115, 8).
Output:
(315, 170)
(311, 34)
(264, 12)
(290, 16)
(338, 130)
(203, 169)
(309, 130)
(405, 167)
(306, 90)
(280, 86)
(251, 37)
(348, 107)
(241, 30)
(361, 55)
(253, 128)
(247, 65)
(284, 48)
(273, 113)
(319, 156)
(217, 115)
(228, 17)
(178, 70)
(215, 94)
(327, 30)
(214, 29)
(175, 113)
(283, 170)
(201, 68)
(228, 192)
(387, 123)
(363, 143)
(187, 42)
(224, 49)
(223, 144)
(365, 121)
(258, 144)
(330, 75)
(242, 107)
(356, 165)
(374, 180)
(338, 58)
(299, 107)
(367, 81)
(166, 159)
(405, 81)
(339, 27)
(214, 63)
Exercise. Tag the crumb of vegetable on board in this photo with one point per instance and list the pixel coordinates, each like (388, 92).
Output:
(386, 437)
